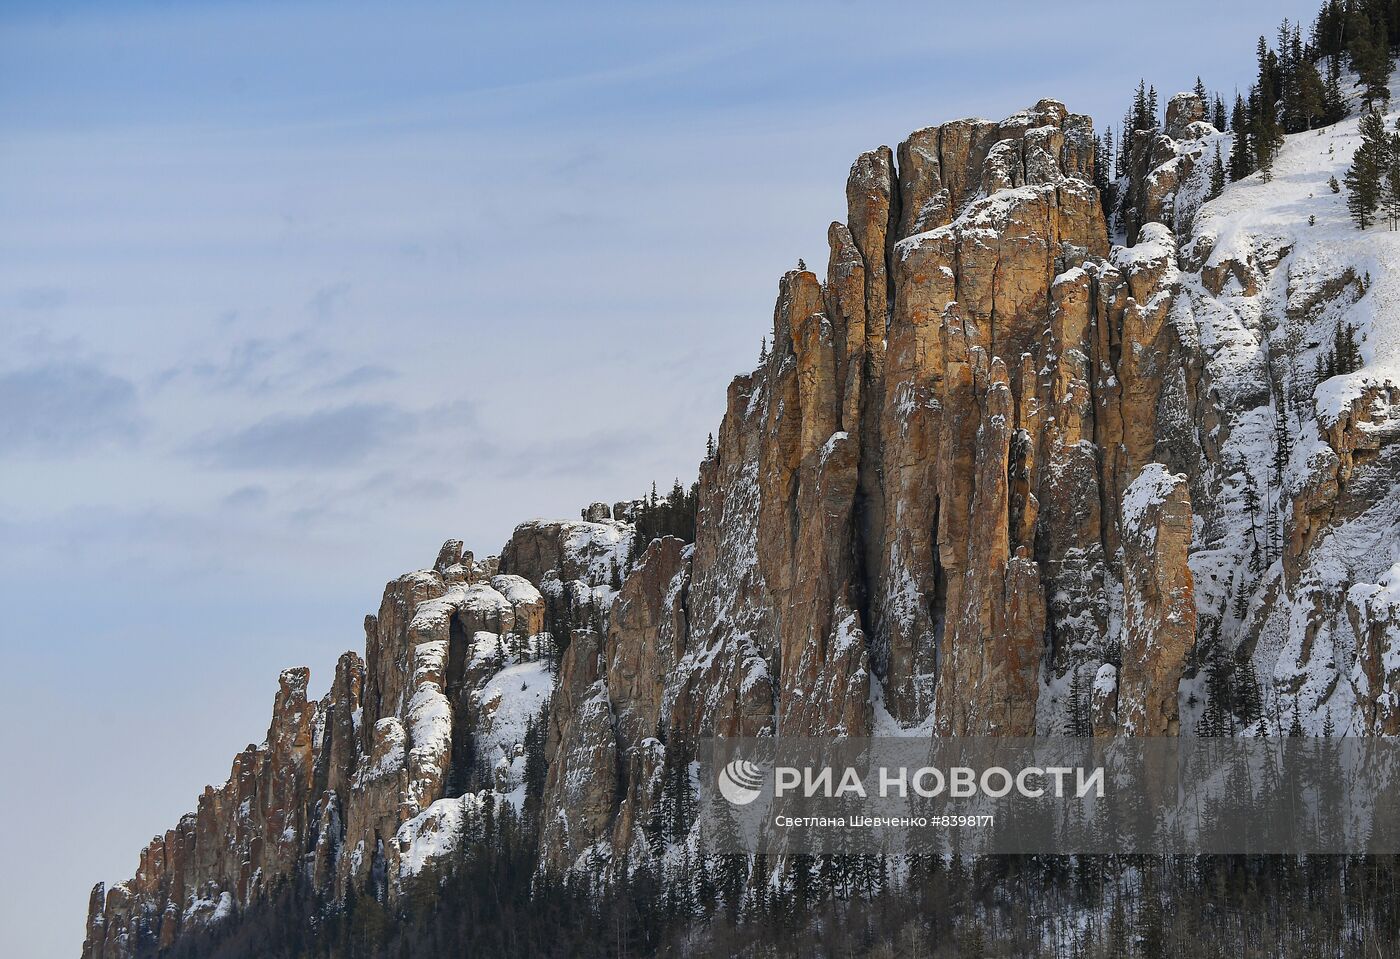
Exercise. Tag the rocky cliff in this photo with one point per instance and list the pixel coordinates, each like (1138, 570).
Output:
(991, 451)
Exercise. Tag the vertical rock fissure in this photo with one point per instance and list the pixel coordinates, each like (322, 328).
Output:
(459, 778)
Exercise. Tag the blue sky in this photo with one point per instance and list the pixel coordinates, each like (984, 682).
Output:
(292, 292)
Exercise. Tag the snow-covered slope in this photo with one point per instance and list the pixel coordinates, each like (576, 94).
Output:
(1296, 551)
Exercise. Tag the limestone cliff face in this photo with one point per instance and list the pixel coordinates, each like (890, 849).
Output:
(988, 450)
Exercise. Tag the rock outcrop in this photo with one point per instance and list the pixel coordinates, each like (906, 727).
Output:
(988, 451)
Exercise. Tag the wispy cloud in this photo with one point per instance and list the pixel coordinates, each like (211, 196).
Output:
(246, 365)
(324, 303)
(334, 437)
(601, 453)
(365, 375)
(63, 407)
(247, 498)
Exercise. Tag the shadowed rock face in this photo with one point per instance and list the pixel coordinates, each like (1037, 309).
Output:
(982, 453)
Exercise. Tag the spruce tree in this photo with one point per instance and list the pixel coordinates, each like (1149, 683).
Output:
(1217, 719)
(1250, 495)
(1125, 145)
(1370, 58)
(1310, 97)
(1241, 591)
(1117, 930)
(1266, 135)
(1390, 183)
(1283, 443)
(1266, 163)
(1247, 694)
(1334, 107)
(1077, 706)
(1345, 355)
(1241, 153)
(1144, 115)
(1217, 175)
(1151, 932)
(1104, 166)
(1368, 166)
(1286, 78)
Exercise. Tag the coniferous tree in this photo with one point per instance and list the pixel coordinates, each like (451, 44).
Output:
(535, 764)
(1334, 107)
(1218, 115)
(1144, 114)
(1217, 175)
(1310, 97)
(1151, 934)
(655, 517)
(1364, 176)
(1241, 153)
(1266, 133)
(1125, 145)
(1286, 78)
(1345, 354)
(1241, 591)
(1329, 29)
(1266, 160)
(1370, 56)
(1283, 443)
(1117, 930)
(1248, 697)
(1077, 706)
(1103, 159)
(1390, 183)
(1217, 719)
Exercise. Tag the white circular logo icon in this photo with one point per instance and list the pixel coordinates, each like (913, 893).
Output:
(740, 782)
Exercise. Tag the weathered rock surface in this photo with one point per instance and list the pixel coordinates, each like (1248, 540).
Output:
(986, 452)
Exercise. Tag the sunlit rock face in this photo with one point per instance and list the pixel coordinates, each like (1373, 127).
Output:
(989, 449)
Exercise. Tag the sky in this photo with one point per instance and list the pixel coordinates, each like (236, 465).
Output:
(292, 292)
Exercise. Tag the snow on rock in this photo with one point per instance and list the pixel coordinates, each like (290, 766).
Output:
(434, 833)
(573, 549)
(430, 722)
(1295, 543)
(203, 910)
(507, 703)
(1324, 270)
(515, 589)
(1152, 487)
(387, 751)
